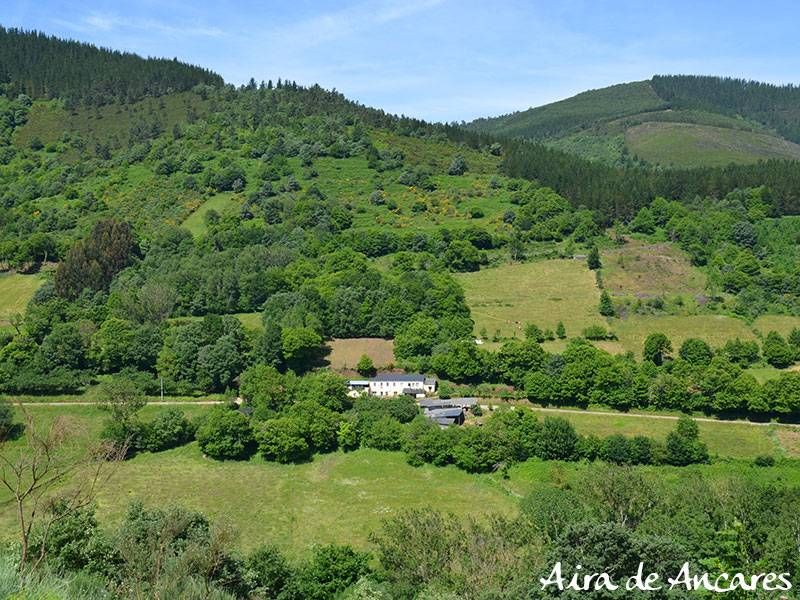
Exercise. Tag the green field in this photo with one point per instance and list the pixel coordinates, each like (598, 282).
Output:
(505, 298)
(726, 440)
(15, 292)
(643, 269)
(783, 324)
(345, 353)
(342, 497)
(714, 329)
(224, 203)
(690, 145)
(336, 498)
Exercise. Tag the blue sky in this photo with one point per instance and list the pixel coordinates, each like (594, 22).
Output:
(440, 59)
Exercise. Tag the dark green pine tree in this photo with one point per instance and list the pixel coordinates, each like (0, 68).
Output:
(606, 305)
(593, 260)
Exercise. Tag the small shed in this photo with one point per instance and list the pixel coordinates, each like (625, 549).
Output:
(446, 416)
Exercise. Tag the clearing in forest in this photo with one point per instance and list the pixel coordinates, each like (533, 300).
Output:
(505, 298)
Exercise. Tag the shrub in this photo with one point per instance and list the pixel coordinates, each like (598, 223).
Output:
(683, 444)
(696, 352)
(764, 460)
(225, 434)
(170, 429)
(557, 440)
(6, 418)
(283, 440)
(384, 434)
(596, 332)
(365, 366)
(458, 166)
(269, 571)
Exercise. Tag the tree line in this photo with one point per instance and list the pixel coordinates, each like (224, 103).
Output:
(43, 66)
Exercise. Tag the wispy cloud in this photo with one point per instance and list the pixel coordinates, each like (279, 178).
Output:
(105, 22)
(349, 21)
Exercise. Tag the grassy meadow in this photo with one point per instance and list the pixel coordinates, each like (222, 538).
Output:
(224, 203)
(15, 292)
(505, 298)
(714, 329)
(345, 353)
(342, 497)
(690, 145)
(724, 439)
(643, 269)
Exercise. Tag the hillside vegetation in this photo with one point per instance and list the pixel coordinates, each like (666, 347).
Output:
(625, 125)
(43, 66)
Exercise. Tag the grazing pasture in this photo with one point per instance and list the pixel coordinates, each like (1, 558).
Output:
(505, 298)
(644, 270)
(15, 292)
(690, 145)
(346, 352)
(223, 203)
(342, 497)
(714, 329)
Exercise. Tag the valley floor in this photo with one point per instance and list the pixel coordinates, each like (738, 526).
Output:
(342, 497)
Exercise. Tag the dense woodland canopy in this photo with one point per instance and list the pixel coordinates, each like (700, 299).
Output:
(777, 106)
(43, 66)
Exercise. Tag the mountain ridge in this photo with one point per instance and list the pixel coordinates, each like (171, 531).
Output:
(595, 124)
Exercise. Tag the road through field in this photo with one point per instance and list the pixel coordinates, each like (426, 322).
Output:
(566, 411)
(653, 416)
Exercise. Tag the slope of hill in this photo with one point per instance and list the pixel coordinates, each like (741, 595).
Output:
(575, 113)
(714, 121)
(43, 66)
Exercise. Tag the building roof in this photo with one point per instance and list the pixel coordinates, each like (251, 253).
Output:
(413, 391)
(433, 403)
(450, 413)
(399, 377)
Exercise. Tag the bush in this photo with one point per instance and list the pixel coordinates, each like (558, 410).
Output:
(384, 434)
(269, 571)
(458, 166)
(764, 460)
(170, 429)
(6, 418)
(776, 351)
(696, 352)
(365, 366)
(283, 440)
(597, 332)
(557, 440)
(684, 446)
(225, 434)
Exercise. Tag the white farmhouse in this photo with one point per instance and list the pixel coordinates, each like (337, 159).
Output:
(393, 384)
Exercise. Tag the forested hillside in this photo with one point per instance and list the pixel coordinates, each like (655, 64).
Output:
(670, 121)
(43, 66)
(776, 107)
(578, 112)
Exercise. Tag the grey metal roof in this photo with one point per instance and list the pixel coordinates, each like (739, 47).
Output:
(464, 401)
(400, 377)
(438, 413)
(432, 403)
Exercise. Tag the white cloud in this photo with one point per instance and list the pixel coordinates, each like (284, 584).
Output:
(99, 22)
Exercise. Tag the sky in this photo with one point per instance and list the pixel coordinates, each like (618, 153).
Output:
(441, 60)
